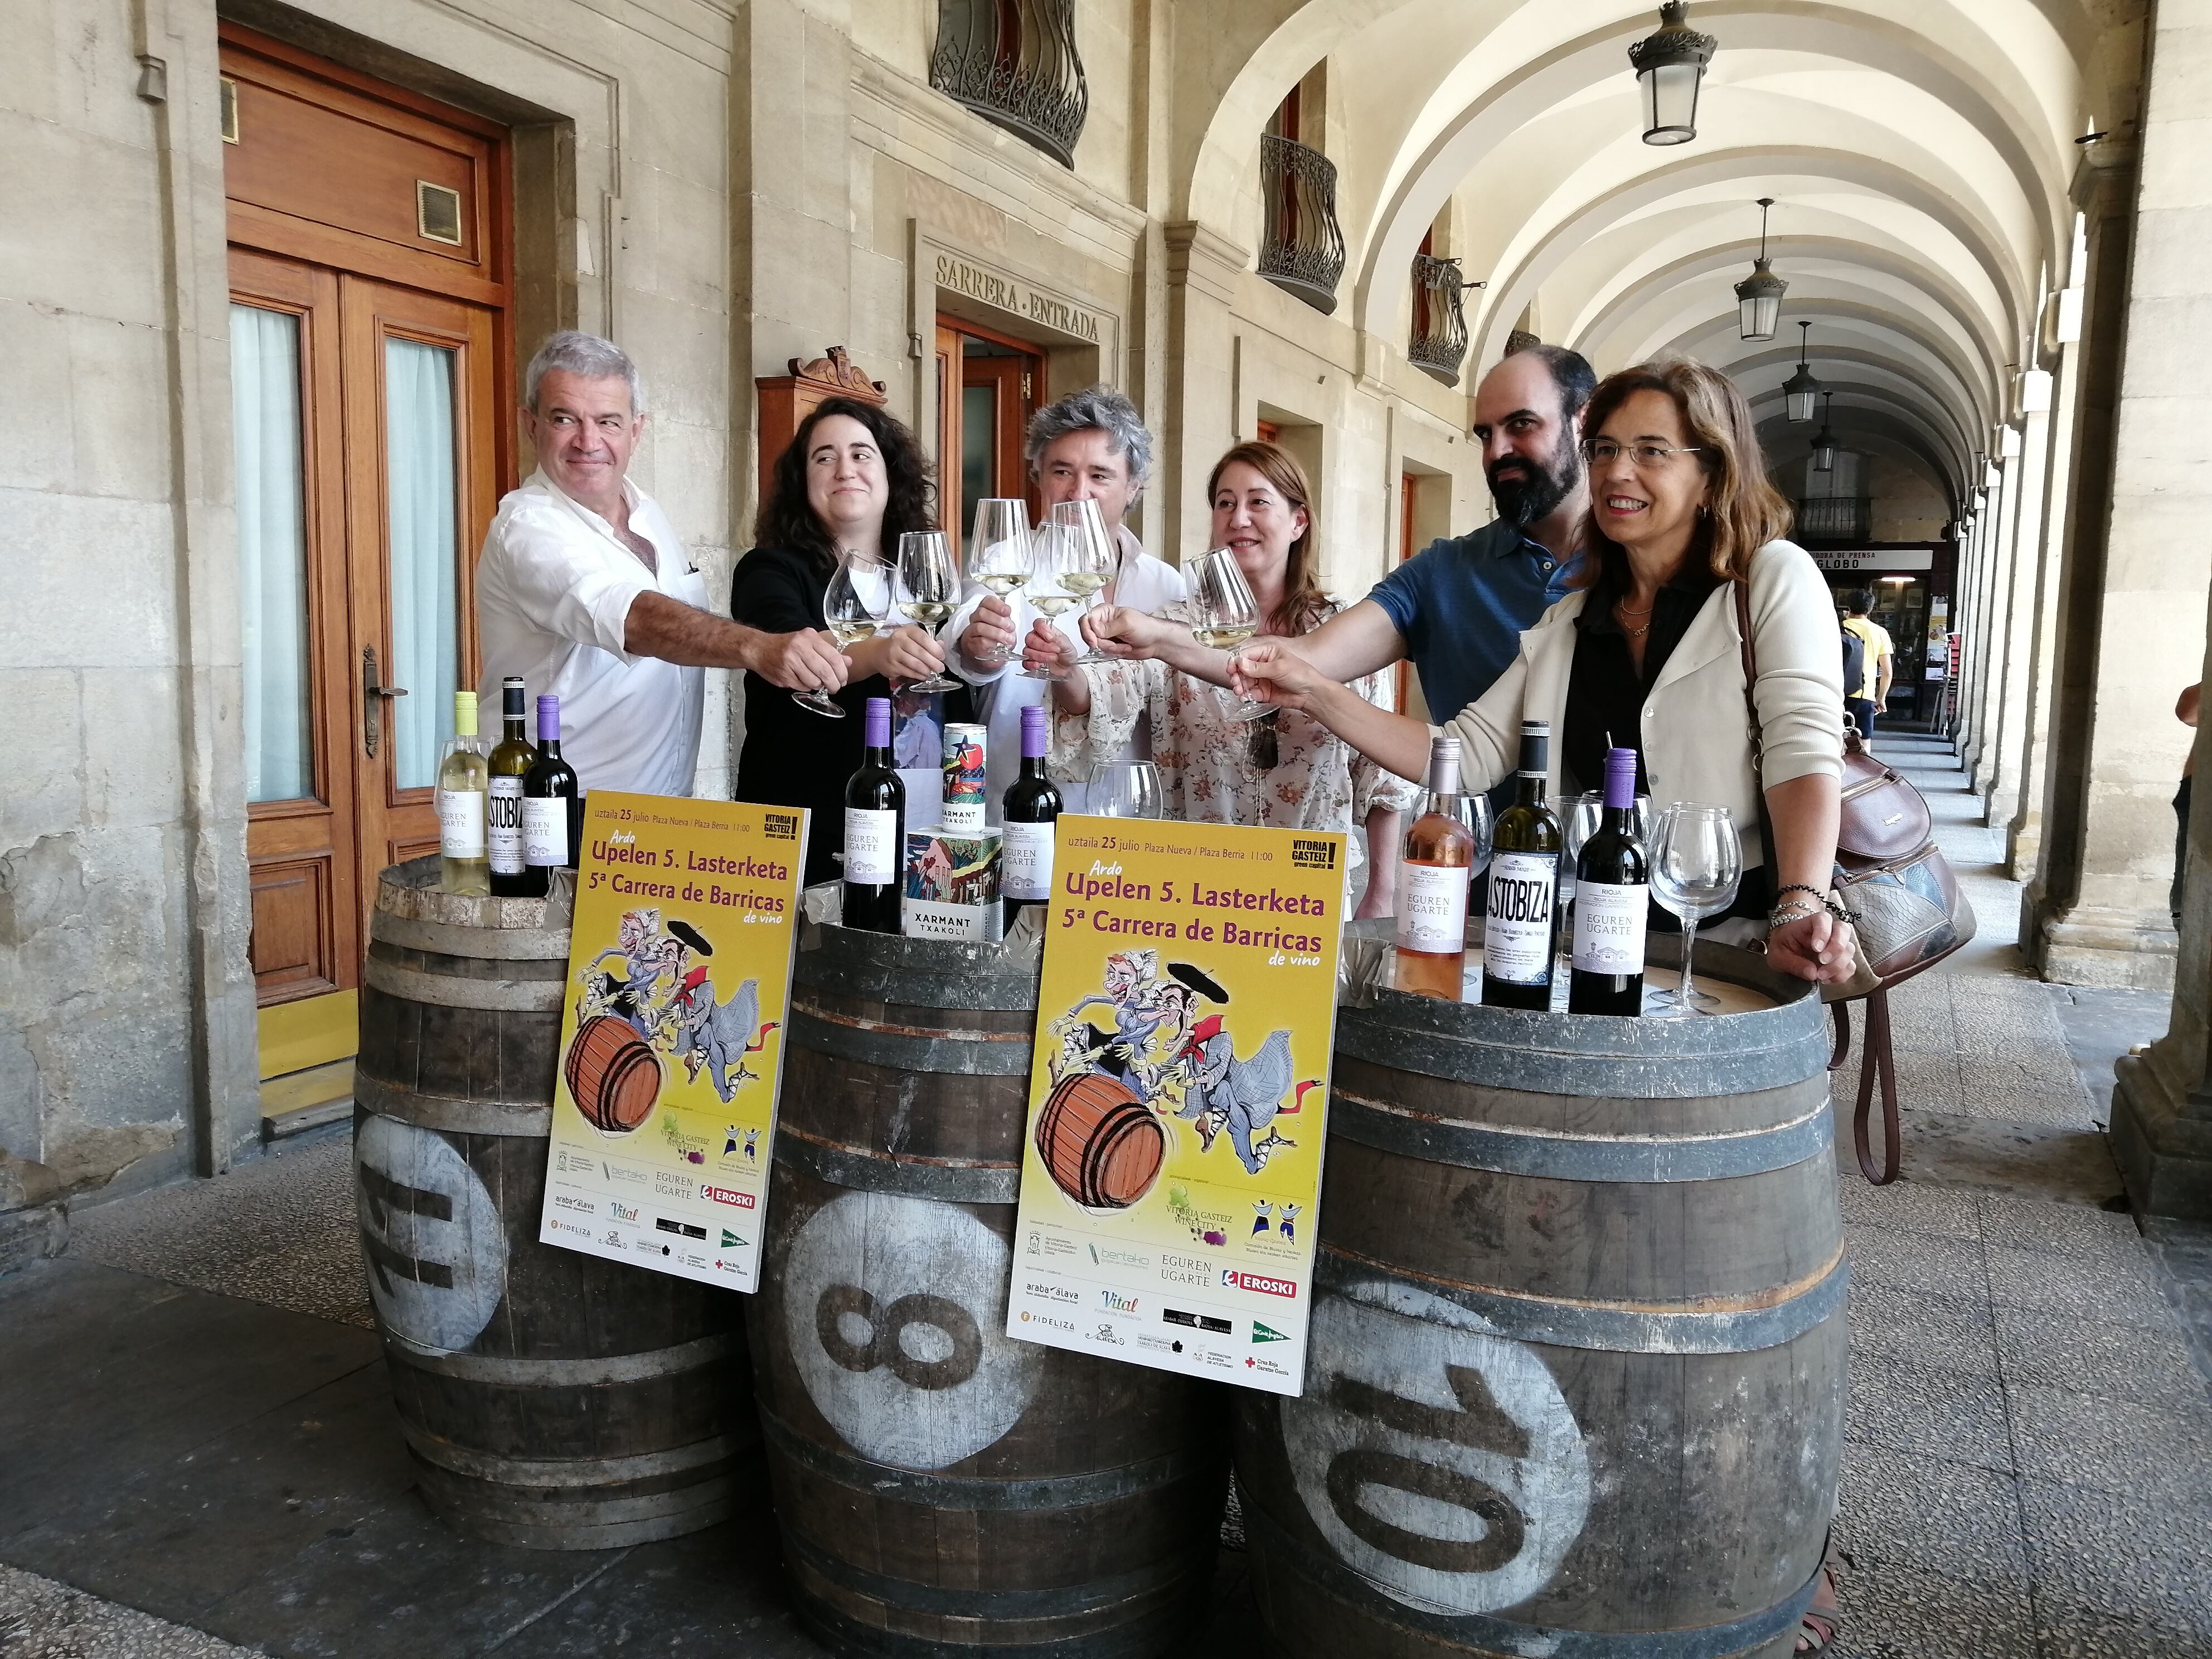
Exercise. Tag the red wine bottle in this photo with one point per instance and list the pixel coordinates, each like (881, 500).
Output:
(1612, 896)
(1524, 885)
(875, 829)
(1030, 812)
(552, 804)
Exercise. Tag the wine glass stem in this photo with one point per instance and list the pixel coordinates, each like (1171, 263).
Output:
(1689, 945)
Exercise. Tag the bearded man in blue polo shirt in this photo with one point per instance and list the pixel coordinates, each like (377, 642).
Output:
(1458, 607)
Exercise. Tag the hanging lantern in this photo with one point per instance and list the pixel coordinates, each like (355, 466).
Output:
(1759, 296)
(1669, 66)
(1800, 388)
(1824, 440)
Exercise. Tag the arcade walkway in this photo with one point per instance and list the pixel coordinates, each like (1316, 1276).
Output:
(195, 1422)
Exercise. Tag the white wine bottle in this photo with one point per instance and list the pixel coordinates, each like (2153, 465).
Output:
(464, 866)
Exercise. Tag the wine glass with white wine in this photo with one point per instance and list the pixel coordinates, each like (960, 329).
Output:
(1000, 555)
(1086, 556)
(928, 591)
(1225, 615)
(858, 604)
(1048, 592)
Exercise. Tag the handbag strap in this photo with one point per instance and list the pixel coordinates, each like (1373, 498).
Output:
(1751, 716)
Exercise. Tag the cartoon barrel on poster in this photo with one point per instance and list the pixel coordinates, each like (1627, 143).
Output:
(614, 1075)
(1100, 1145)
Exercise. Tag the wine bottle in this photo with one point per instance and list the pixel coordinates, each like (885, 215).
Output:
(1613, 895)
(1030, 812)
(552, 804)
(1436, 864)
(875, 829)
(463, 780)
(510, 876)
(1524, 885)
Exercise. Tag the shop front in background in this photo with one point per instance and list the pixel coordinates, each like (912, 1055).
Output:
(1910, 584)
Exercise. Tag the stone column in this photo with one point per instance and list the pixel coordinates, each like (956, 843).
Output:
(2024, 839)
(1204, 267)
(2024, 488)
(1997, 613)
(2137, 559)
(1974, 627)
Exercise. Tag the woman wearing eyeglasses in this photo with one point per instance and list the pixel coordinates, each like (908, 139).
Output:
(1647, 656)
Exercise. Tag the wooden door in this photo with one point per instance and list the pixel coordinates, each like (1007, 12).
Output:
(988, 385)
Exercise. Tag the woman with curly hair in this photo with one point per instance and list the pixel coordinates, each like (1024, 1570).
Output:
(851, 481)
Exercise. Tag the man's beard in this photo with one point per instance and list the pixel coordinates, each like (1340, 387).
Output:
(1525, 499)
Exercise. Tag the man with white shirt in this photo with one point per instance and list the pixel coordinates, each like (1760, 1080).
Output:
(1090, 446)
(585, 591)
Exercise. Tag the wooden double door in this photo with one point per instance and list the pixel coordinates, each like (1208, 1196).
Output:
(368, 366)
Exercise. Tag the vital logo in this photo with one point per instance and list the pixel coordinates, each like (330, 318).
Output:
(736, 1200)
(779, 826)
(1114, 1302)
(730, 1241)
(620, 1211)
(1237, 1279)
(1312, 854)
(1267, 1333)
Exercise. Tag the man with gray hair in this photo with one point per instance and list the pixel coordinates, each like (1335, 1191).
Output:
(1090, 446)
(584, 590)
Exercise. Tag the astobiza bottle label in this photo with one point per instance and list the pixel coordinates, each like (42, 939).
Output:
(1517, 935)
(871, 853)
(1025, 869)
(503, 825)
(1609, 928)
(545, 831)
(1432, 907)
(461, 823)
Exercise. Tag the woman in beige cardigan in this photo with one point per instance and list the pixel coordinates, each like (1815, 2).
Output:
(1648, 655)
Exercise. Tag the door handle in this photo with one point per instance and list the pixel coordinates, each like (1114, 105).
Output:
(374, 695)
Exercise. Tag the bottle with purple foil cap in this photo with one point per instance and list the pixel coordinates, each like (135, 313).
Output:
(552, 802)
(1031, 813)
(875, 829)
(1612, 896)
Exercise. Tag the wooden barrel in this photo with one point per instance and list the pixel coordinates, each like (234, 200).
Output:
(549, 1400)
(1099, 1143)
(614, 1075)
(1575, 1375)
(941, 1487)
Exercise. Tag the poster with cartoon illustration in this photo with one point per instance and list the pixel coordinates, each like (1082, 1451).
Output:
(1178, 1098)
(671, 1052)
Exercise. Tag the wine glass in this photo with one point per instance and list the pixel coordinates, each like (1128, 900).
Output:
(1225, 615)
(1085, 555)
(928, 591)
(1474, 812)
(1696, 861)
(857, 604)
(1052, 564)
(1127, 789)
(999, 556)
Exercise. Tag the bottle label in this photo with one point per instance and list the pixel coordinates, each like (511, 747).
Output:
(545, 831)
(871, 845)
(503, 825)
(1432, 907)
(1609, 928)
(461, 823)
(1517, 934)
(1025, 871)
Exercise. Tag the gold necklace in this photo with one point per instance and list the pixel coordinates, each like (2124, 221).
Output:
(1620, 611)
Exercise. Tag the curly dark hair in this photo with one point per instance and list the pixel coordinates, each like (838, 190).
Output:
(787, 518)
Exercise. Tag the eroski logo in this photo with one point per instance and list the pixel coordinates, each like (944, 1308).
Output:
(1237, 1279)
(727, 1195)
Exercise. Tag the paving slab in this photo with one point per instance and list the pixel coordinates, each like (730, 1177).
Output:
(1926, 1515)
(1927, 1411)
(43, 1619)
(1904, 1614)
(2120, 1446)
(2121, 1560)
(2120, 1362)
(1922, 1330)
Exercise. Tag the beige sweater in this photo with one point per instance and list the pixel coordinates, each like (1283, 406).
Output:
(1696, 740)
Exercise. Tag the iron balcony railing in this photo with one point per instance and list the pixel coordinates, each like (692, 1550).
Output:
(1835, 518)
(1302, 250)
(1014, 63)
(1437, 344)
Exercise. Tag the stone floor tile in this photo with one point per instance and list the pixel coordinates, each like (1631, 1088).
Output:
(2114, 1445)
(1925, 1411)
(2119, 1361)
(2118, 1289)
(2065, 1632)
(1922, 1330)
(1929, 1515)
(1908, 1206)
(2019, 1094)
(1950, 1268)
(2058, 1229)
(41, 1618)
(2120, 1556)
(1899, 1613)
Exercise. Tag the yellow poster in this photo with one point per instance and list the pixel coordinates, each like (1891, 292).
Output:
(671, 1050)
(1179, 1097)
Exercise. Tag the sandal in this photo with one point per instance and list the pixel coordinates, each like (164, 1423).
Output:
(1823, 1618)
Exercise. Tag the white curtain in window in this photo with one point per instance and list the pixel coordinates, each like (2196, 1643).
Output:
(272, 552)
(418, 402)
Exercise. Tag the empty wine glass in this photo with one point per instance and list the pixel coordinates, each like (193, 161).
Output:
(1581, 814)
(1085, 555)
(1127, 789)
(1225, 615)
(1696, 862)
(1053, 561)
(928, 591)
(999, 556)
(1474, 812)
(858, 603)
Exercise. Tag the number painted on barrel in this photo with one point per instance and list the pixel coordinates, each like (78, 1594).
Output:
(1440, 1462)
(896, 1312)
(434, 1245)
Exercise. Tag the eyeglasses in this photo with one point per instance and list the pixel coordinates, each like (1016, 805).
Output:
(1645, 457)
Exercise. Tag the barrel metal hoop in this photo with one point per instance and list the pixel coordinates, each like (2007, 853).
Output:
(445, 938)
(528, 1119)
(1531, 1152)
(500, 1371)
(1000, 1607)
(970, 1054)
(917, 973)
(886, 1172)
(571, 1471)
(968, 1493)
(1609, 1327)
(519, 996)
(1487, 1633)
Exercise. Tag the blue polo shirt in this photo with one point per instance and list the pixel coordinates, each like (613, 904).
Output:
(1461, 603)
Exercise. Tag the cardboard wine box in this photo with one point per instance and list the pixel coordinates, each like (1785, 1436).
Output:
(952, 886)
